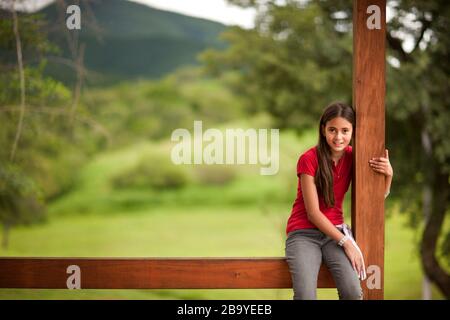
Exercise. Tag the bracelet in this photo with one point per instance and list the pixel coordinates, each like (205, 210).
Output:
(341, 242)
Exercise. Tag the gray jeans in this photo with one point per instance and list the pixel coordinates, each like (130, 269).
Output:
(305, 249)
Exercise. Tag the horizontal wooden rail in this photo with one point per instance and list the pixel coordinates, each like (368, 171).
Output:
(150, 273)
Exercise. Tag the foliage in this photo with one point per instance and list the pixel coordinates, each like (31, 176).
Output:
(34, 39)
(293, 63)
(47, 149)
(152, 171)
(20, 202)
(214, 174)
(153, 109)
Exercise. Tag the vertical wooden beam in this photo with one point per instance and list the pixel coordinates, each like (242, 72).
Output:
(369, 34)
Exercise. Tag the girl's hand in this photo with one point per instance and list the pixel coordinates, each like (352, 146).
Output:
(354, 256)
(382, 165)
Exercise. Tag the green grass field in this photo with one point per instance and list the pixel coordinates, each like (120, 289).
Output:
(201, 232)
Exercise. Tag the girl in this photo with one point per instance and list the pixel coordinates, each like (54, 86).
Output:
(316, 229)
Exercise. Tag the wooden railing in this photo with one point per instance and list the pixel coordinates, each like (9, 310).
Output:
(150, 273)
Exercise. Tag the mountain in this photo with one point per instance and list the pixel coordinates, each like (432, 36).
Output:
(130, 40)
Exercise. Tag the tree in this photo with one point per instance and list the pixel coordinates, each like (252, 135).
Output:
(19, 197)
(292, 64)
(38, 149)
(19, 200)
(422, 77)
(298, 58)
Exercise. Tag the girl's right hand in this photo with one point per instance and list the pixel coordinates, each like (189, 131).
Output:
(354, 256)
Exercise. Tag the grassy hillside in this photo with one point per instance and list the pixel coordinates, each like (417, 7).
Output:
(126, 40)
(95, 192)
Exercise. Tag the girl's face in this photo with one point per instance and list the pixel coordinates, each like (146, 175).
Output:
(338, 133)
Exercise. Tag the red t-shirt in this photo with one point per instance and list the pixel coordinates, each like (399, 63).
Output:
(342, 176)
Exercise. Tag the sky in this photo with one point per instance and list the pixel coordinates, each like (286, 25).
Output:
(216, 10)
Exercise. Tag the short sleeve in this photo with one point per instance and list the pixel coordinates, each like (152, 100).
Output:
(307, 164)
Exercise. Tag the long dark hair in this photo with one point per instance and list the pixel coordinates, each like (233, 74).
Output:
(324, 174)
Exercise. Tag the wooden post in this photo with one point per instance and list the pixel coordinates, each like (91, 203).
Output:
(369, 34)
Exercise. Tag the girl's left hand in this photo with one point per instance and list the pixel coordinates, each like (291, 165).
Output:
(382, 165)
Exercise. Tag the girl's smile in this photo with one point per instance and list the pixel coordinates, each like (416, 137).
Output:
(338, 133)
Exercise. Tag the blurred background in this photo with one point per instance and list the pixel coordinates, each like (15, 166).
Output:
(86, 118)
